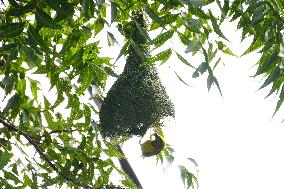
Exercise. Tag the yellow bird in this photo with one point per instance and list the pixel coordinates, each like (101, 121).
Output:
(152, 147)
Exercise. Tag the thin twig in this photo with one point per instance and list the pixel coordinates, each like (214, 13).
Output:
(62, 131)
(43, 155)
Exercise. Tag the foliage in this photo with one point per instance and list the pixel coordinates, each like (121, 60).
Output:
(58, 40)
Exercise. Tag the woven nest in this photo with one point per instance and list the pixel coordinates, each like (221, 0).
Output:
(137, 100)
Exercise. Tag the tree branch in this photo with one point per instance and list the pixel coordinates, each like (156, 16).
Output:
(43, 155)
(125, 165)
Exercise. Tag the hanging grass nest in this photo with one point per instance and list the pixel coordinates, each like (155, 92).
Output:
(137, 100)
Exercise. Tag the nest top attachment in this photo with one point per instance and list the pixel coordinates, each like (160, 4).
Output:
(137, 100)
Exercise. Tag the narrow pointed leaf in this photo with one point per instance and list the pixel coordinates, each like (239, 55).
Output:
(71, 41)
(256, 44)
(4, 159)
(218, 86)
(143, 32)
(268, 63)
(138, 50)
(13, 104)
(86, 79)
(228, 52)
(123, 50)
(182, 80)
(88, 8)
(162, 56)
(114, 10)
(154, 16)
(162, 38)
(216, 27)
(36, 38)
(11, 176)
(44, 19)
(11, 30)
(111, 39)
(280, 101)
(275, 74)
(183, 60)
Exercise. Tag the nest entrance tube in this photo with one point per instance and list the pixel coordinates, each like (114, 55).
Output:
(137, 100)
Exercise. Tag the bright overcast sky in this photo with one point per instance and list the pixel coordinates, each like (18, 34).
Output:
(234, 139)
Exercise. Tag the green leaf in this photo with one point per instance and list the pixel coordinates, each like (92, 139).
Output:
(36, 39)
(162, 56)
(114, 10)
(123, 50)
(13, 104)
(49, 119)
(11, 30)
(195, 74)
(5, 159)
(46, 103)
(216, 63)
(143, 32)
(63, 9)
(138, 50)
(110, 39)
(194, 162)
(113, 152)
(268, 44)
(168, 18)
(34, 87)
(193, 46)
(276, 86)
(181, 79)
(199, 13)
(228, 51)
(87, 114)
(44, 19)
(275, 74)
(154, 16)
(34, 178)
(258, 15)
(187, 178)
(86, 77)
(32, 59)
(183, 60)
(4, 142)
(203, 67)
(27, 180)
(88, 8)
(99, 25)
(210, 81)
(226, 8)
(280, 101)
(75, 60)
(11, 176)
(216, 27)
(71, 41)
(254, 45)
(162, 38)
(8, 46)
(184, 39)
(267, 63)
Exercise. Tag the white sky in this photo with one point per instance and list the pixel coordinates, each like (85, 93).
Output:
(233, 139)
